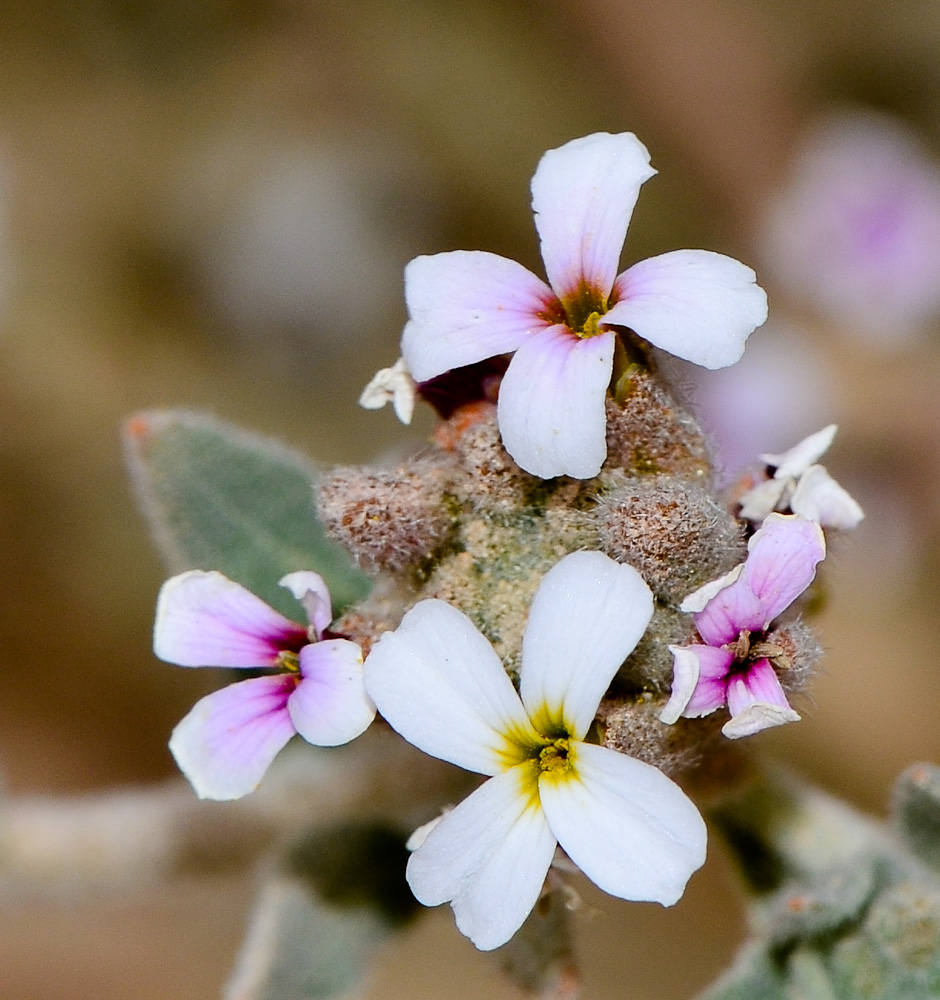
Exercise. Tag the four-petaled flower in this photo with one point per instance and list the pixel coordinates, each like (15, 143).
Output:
(803, 487)
(735, 664)
(228, 740)
(627, 826)
(465, 306)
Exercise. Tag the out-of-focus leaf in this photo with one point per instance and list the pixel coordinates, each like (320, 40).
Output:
(540, 957)
(217, 497)
(916, 811)
(335, 896)
(754, 976)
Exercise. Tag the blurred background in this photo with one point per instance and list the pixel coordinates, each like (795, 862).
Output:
(210, 205)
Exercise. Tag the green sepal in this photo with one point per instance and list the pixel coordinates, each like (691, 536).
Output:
(220, 498)
(333, 897)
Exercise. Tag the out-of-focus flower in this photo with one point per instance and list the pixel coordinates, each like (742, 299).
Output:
(855, 231)
(734, 665)
(803, 487)
(466, 306)
(391, 385)
(626, 825)
(228, 740)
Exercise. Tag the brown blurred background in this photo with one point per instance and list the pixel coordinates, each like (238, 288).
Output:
(210, 205)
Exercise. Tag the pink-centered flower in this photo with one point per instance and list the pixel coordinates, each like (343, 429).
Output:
(439, 683)
(466, 306)
(228, 740)
(734, 665)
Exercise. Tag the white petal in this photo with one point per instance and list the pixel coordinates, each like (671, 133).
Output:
(698, 599)
(587, 616)
(630, 829)
(205, 619)
(818, 497)
(583, 195)
(391, 385)
(757, 717)
(488, 858)
(466, 306)
(685, 674)
(330, 705)
(439, 683)
(793, 463)
(311, 590)
(552, 414)
(762, 499)
(229, 738)
(695, 304)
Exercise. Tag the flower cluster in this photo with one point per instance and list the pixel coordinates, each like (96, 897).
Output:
(580, 348)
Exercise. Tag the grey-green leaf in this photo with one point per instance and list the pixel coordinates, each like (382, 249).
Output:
(218, 497)
(335, 896)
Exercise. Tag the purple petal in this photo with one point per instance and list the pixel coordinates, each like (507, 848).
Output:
(205, 619)
(756, 701)
(551, 404)
(466, 306)
(230, 737)
(699, 683)
(311, 590)
(583, 195)
(695, 304)
(728, 612)
(781, 562)
(330, 705)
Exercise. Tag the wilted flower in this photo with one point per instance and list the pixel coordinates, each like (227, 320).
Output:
(465, 306)
(803, 487)
(228, 740)
(439, 682)
(734, 665)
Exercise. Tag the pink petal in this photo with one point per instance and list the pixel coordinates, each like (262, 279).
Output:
(205, 619)
(781, 562)
(732, 609)
(583, 195)
(756, 701)
(699, 682)
(311, 590)
(695, 304)
(466, 306)
(230, 737)
(551, 404)
(330, 705)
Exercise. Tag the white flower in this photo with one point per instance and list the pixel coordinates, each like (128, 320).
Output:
(391, 385)
(803, 487)
(439, 682)
(466, 306)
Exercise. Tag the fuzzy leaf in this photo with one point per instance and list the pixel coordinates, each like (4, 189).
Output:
(753, 975)
(335, 896)
(217, 497)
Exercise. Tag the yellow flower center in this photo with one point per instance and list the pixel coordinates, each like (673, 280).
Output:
(554, 758)
(288, 661)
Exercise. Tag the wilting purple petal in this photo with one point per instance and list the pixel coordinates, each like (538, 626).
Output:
(466, 306)
(781, 562)
(583, 195)
(229, 738)
(205, 619)
(552, 413)
(756, 701)
(330, 705)
(695, 304)
(732, 609)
